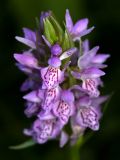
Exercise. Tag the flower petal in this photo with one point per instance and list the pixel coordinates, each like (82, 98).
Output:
(31, 109)
(62, 110)
(44, 115)
(29, 34)
(85, 46)
(51, 95)
(90, 86)
(54, 61)
(51, 77)
(56, 50)
(67, 96)
(100, 58)
(46, 41)
(63, 139)
(87, 31)
(80, 26)
(85, 60)
(34, 96)
(92, 73)
(84, 101)
(26, 59)
(27, 42)
(68, 19)
(68, 53)
(87, 117)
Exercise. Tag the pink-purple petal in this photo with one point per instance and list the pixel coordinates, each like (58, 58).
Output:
(26, 59)
(68, 19)
(68, 53)
(100, 58)
(63, 138)
(80, 26)
(29, 34)
(85, 60)
(92, 73)
(27, 42)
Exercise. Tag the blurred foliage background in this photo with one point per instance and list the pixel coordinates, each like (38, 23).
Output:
(15, 14)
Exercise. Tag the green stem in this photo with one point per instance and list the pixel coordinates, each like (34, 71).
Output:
(75, 150)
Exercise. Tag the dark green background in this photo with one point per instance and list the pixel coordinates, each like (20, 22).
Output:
(15, 14)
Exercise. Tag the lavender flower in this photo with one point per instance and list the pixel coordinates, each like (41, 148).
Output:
(79, 29)
(62, 90)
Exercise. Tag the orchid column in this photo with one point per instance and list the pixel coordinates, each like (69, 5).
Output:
(63, 79)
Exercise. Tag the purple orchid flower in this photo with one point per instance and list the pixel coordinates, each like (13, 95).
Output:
(26, 59)
(79, 29)
(52, 75)
(29, 38)
(43, 130)
(51, 95)
(34, 100)
(55, 97)
(32, 109)
(64, 108)
(89, 113)
(33, 81)
(89, 64)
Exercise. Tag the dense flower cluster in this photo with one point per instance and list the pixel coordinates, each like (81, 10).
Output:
(63, 79)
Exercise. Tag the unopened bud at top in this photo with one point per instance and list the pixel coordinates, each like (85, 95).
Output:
(56, 50)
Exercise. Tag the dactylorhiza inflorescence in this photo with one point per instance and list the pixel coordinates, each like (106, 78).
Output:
(63, 79)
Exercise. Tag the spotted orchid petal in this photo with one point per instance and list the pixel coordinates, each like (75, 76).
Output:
(90, 86)
(51, 95)
(51, 76)
(43, 130)
(64, 108)
(88, 117)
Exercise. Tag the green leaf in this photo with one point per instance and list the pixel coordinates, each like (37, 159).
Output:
(67, 42)
(49, 30)
(24, 145)
(58, 28)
